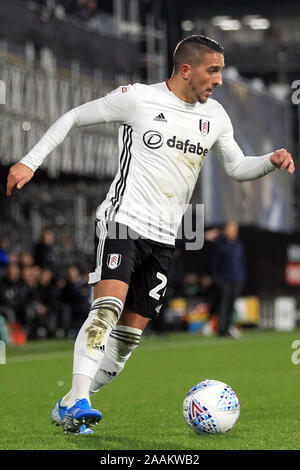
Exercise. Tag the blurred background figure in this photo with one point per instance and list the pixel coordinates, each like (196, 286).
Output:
(41, 303)
(76, 298)
(34, 309)
(191, 285)
(4, 254)
(49, 294)
(45, 253)
(12, 294)
(25, 259)
(228, 266)
(210, 294)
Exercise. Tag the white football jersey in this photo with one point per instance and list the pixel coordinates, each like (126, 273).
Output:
(163, 143)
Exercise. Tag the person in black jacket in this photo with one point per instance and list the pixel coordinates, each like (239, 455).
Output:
(76, 295)
(228, 268)
(12, 294)
(44, 252)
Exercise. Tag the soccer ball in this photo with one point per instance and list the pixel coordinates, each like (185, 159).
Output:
(211, 407)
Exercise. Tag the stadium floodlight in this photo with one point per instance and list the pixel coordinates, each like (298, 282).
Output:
(217, 20)
(226, 23)
(230, 25)
(260, 23)
(247, 19)
(256, 22)
(187, 25)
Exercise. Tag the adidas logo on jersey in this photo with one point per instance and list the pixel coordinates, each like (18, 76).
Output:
(160, 117)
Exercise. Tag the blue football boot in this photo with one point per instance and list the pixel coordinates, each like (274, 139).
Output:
(58, 415)
(80, 414)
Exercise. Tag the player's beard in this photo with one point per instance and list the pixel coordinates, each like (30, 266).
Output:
(202, 100)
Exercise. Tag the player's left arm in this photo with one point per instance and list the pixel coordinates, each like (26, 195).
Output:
(246, 168)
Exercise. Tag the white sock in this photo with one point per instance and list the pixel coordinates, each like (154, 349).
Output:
(90, 345)
(121, 343)
(80, 389)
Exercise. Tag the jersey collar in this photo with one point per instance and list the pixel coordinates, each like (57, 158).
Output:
(188, 105)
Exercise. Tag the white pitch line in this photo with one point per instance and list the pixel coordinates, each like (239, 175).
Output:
(198, 343)
(143, 347)
(38, 357)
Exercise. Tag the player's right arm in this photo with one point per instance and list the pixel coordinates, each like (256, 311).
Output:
(18, 175)
(119, 106)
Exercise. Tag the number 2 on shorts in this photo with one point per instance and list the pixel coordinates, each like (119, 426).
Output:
(155, 291)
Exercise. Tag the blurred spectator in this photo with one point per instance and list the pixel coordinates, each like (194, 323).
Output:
(14, 257)
(69, 250)
(45, 252)
(76, 294)
(228, 266)
(209, 293)
(38, 322)
(30, 279)
(48, 289)
(32, 295)
(4, 255)
(25, 259)
(50, 293)
(12, 294)
(191, 285)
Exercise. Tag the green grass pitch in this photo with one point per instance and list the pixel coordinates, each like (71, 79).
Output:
(142, 408)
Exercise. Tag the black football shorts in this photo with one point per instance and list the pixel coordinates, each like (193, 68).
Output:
(142, 263)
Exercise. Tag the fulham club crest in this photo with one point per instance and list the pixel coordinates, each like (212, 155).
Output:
(204, 127)
(113, 260)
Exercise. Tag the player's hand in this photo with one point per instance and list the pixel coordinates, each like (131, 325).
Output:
(282, 159)
(212, 234)
(18, 175)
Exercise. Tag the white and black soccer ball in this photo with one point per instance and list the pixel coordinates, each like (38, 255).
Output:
(211, 407)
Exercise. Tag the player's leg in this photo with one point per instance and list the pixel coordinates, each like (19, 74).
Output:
(89, 350)
(145, 296)
(123, 340)
(233, 331)
(115, 260)
(224, 308)
(90, 344)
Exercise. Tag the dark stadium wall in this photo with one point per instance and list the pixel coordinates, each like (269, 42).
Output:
(19, 25)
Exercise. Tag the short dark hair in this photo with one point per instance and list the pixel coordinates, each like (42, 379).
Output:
(192, 49)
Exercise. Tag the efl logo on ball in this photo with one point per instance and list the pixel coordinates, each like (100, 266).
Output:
(211, 407)
(113, 260)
